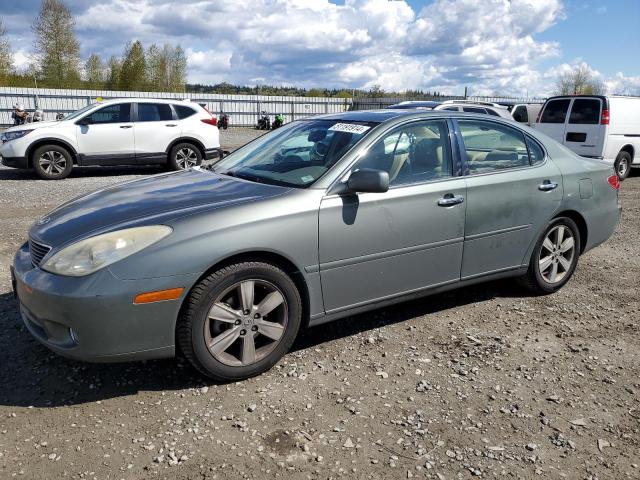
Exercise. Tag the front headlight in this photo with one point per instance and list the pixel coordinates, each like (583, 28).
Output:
(8, 136)
(92, 254)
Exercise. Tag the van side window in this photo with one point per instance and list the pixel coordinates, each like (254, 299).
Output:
(536, 154)
(491, 146)
(520, 114)
(555, 111)
(585, 111)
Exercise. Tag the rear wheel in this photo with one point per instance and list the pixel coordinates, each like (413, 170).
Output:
(240, 320)
(554, 258)
(623, 165)
(52, 162)
(184, 156)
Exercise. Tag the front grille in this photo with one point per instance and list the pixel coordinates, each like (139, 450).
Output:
(37, 251)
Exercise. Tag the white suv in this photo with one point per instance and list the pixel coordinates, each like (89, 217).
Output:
(115, 132)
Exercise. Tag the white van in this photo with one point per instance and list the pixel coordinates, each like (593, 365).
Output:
(523, 112)
(606, 127)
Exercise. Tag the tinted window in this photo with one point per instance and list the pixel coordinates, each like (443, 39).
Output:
(474, 110)
(183, 111)
(451, 109)
(555, 111)
(520, 114)
(119, 113)
(413, 153)
(492, 112)
(585, 111)
(154, 112)
(492, 147)
(536, 154)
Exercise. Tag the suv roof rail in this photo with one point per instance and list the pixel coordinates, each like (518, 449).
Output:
(473, 102)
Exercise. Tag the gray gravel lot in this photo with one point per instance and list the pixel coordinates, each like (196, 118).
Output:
(482, 382)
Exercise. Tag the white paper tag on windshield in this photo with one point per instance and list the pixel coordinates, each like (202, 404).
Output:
(349, 128)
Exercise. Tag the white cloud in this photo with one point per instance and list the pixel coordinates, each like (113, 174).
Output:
(491, 46)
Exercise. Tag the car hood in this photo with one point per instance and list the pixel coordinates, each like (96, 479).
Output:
(33, 126)
(148, 201)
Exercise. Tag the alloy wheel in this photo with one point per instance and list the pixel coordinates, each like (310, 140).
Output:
(246, 322)
(52, 162)
(186, 158)
(556, 255)
(622, 167)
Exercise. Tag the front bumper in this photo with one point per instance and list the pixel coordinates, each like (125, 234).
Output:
(93, 318)
(15, 162)
(13, 155)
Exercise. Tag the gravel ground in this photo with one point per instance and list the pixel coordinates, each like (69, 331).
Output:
(480, 382)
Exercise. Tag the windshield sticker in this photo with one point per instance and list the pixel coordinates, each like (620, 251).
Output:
(307, 178)
(349, 128)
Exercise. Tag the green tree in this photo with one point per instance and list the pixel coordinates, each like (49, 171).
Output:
(94, 71)
(56, 46)
(113, 73)
(157, 67)
(315, 92)
(133, 74)
(177, 70)
(6, 56)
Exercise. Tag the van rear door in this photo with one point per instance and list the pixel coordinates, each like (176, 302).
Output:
(554, 117)
(584, 134)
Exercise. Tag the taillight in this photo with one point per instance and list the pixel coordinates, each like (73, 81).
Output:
(614, 181)
(210, 121)
(604, 119)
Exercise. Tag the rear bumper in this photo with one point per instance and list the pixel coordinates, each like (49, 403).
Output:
(93, 318)
(15, 162)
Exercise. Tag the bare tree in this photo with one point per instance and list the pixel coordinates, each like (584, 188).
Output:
(579, 81)
(57, 49)
(94, 71)
(6, 56)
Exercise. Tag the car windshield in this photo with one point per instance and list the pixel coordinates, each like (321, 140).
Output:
(77, 113)
(296, 154)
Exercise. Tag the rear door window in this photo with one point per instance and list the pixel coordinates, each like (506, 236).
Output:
(555, 111)
(585, 111)
(154, 112)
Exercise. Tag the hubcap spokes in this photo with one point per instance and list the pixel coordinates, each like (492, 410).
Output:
(556, 254)
(52, 162)
(246, 322)
(186, 158)
(622, 168)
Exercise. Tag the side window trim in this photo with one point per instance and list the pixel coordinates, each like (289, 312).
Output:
(465, 157)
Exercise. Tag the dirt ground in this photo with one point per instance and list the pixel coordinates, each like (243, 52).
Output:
(481, 382)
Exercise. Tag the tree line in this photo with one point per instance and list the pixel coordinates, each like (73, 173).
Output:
(57, 62)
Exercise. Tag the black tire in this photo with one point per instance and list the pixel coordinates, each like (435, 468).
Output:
(623, 165)
(193, 321)
(534, 280)
(52, 162)
(184, 153)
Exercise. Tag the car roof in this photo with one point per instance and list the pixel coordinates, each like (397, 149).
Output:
(144, 100)
(380, 116)
(414, 104)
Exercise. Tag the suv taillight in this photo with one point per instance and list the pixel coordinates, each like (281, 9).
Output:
(604, 119)
(210, 121)
(614, 181)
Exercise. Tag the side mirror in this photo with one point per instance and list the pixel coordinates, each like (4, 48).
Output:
(84, 121)
(368, 180)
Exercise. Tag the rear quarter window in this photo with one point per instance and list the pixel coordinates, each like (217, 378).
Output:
(183, 111)
(555, 111)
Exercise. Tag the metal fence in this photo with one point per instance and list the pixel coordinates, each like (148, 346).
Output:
(375, 103)
(243, 109)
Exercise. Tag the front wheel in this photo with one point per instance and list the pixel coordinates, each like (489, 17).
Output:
(554, 258)
(623, 165)
(184, 156)
(52, 162)
(239, 321)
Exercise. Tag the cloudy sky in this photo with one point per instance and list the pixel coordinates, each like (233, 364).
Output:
(511, 47)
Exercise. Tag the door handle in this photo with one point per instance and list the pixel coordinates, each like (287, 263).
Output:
(171, 125)
(450, 199)
(547, 186)
(126, 126)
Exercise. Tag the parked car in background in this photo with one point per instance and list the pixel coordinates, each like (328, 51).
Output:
(523, 112)
(414, 104)
(603, 127)
(321, 219)
(179, 134)
(475, 107)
